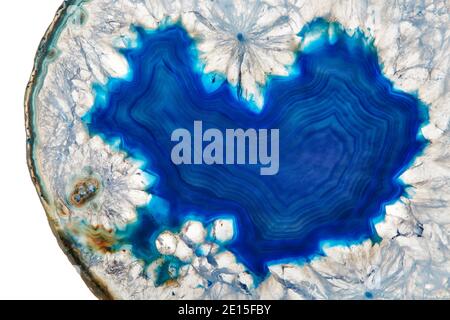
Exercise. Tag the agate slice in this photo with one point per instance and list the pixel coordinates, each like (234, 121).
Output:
(246, 149)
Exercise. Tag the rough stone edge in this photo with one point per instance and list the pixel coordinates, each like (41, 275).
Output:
(99, 289)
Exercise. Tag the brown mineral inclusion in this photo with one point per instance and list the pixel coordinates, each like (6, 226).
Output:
(84, 191)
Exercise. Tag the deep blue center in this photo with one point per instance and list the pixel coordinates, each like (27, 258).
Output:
(345, 136)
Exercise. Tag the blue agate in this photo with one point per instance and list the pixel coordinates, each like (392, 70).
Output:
(345, 136)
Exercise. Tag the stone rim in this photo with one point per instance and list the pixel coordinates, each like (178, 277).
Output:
(94, 284)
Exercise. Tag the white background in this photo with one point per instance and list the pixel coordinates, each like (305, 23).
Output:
(32, 266)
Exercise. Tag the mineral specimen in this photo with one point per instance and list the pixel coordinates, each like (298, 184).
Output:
(261, 149)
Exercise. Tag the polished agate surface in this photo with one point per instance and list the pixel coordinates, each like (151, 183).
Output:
(246, 149)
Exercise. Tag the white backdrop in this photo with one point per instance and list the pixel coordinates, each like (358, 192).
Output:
(32, 266)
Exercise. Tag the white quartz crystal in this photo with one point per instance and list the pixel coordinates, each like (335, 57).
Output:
(223, 230)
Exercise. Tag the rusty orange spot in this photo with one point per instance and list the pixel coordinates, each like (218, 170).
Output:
(172, 283)
(100, 239)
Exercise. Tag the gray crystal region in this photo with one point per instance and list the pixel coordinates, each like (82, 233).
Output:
(110, 205)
